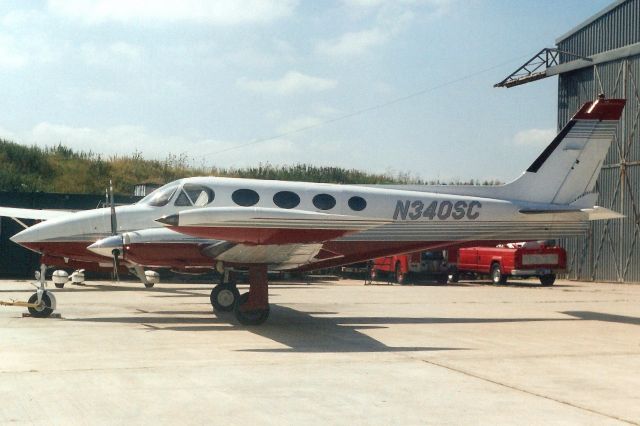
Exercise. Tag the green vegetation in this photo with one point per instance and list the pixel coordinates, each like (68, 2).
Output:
(60, 169)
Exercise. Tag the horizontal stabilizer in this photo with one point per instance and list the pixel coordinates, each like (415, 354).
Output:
(549, 211)
(600, 213)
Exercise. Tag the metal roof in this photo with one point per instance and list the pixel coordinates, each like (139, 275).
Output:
(590, 20)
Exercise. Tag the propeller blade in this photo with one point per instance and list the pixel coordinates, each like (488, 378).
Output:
(116, 264)
(114, 220)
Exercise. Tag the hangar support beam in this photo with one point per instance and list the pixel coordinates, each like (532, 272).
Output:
(536, 67)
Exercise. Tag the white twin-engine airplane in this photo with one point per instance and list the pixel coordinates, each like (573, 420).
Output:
(272, 225)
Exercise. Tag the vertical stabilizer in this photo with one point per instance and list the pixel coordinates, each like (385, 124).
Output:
(568, 168)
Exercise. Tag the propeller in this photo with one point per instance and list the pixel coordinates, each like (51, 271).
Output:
(114, 231)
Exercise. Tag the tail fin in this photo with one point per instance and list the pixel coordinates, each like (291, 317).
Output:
(568, 168)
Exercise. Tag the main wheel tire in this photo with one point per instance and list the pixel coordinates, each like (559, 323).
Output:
(44, 309)
(59, 285)
(253, 317)
(149, 285)
(497, 277)
(400, 277)
(547, 280)
(223, 297)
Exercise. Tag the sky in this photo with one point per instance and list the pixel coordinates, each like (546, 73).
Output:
(402, 86)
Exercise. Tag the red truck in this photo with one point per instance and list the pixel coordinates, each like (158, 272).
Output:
(427, 263)
(520, 259)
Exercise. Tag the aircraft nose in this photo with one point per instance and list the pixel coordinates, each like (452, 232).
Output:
(29, 235)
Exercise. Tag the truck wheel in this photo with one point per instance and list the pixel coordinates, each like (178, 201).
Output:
(454, 276)
(400, 277)
(442, 279)
(547, 280)
(497, 277)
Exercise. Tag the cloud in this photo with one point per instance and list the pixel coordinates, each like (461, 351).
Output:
(219, 12)
(298, 124)
(291, 83)
(534, 137)
(11, 57)
(101, 95)
(391, 17)
(115, 52)
(353, 43)
(363, 3)
(435, 6)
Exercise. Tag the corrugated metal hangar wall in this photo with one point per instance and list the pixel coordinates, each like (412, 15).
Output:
(611, 39)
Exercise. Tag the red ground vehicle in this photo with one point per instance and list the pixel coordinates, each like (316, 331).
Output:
(427, 263)
(520, 259)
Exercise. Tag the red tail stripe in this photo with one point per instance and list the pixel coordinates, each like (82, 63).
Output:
(605, 109)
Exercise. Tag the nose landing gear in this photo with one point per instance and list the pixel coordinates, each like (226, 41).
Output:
(42, 303)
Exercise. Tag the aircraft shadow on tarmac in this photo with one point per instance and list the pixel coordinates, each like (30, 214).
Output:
(598, 316)
(307, 332)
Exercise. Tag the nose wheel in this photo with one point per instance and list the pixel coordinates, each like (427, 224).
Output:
(44, 308)
(42, 303)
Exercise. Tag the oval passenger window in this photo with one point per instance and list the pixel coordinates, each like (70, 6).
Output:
(286, 199)
(245, 197)
(324, 202)
(357, 203)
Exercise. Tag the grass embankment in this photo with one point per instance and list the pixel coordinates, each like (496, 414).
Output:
(61, 169)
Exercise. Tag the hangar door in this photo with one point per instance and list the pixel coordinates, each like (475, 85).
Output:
(611, 249)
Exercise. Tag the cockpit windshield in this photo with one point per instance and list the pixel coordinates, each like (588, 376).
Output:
(160, 197)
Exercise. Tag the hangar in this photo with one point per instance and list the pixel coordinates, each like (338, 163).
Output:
(601, 55)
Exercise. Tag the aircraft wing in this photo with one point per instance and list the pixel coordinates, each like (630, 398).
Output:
(260, 225)
(33, 213)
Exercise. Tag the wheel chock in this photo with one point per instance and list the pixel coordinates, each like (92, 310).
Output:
(53, 315)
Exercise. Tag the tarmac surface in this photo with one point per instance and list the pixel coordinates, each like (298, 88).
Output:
(330, 353)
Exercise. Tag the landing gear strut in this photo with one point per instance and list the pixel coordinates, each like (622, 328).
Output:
(42, 303)
(252, 308)
(225, 295)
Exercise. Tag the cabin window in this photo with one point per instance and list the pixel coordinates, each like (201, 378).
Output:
(194, 195)
(286, 199)
(160, 197)
(245, 197)
(357, 203)
(324, 202)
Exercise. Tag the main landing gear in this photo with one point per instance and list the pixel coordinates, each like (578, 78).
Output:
(225, 295)
(251, 308)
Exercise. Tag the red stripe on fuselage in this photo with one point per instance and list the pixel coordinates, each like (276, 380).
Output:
(179, 255)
